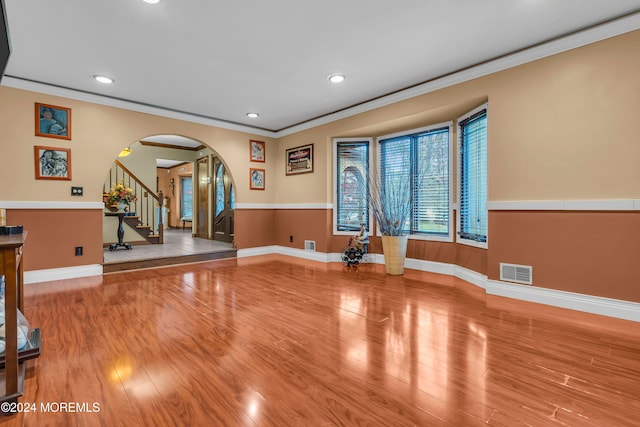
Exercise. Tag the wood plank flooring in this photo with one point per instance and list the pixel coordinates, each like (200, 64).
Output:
(273, 341)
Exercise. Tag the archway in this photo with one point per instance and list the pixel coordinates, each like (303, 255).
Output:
(172, 165)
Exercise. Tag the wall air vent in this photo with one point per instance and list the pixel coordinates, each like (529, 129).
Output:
(516, 273)
(310, 245)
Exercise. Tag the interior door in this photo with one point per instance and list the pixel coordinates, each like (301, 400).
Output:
(202, 229)
(224, 201)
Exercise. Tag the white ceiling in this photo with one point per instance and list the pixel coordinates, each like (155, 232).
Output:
(218, 60)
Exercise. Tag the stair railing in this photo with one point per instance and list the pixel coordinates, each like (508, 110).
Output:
(148, 206)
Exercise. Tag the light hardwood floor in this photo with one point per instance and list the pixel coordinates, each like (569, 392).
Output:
(273, 341)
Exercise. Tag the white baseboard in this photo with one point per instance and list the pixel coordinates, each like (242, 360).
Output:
(580, 302)
(588, 303)
(284, 250)
(37, 276)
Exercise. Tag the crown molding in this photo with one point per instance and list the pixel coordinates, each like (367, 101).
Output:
(594, 34)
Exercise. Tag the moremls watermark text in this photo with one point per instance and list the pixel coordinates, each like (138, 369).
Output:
(63, 407)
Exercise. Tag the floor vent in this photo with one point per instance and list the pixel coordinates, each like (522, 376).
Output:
(310, 245)
(516, 273)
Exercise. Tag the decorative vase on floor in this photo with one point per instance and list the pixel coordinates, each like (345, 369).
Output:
(394, 249)
(122, 206)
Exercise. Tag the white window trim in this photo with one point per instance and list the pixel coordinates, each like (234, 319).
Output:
(369, 140)
(449, 124)
(482, 245)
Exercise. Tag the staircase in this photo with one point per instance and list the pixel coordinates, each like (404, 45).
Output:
(143, 215)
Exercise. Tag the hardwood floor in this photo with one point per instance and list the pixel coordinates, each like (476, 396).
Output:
(274, 341)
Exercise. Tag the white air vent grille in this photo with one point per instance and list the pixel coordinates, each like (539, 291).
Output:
(310, 245)
(516, 273)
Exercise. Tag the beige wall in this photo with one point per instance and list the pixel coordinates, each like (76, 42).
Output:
(99, 134)
(563, 127)
(560, 128)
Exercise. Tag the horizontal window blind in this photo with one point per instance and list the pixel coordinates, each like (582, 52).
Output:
(473, 177)
(353, 180)
(414, 170)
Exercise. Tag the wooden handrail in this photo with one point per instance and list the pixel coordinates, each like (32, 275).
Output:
(138, 180)
(145, 205)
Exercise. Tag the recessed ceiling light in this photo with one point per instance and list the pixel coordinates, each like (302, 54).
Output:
(152, 1)
(336, 77)
(252, 115)
(103, 79)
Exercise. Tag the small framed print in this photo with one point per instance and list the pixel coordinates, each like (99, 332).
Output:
(256, 179)
(52, 121)
(257, 151)
(299, 159)
(52, 162)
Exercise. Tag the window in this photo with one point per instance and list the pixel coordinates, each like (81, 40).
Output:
(421, 159)
(186, 197)
(232, 196)
(220, 189)
(472, 169)
(352, 179)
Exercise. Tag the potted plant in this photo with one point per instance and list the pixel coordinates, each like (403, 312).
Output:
(121, 196)
(390, 202)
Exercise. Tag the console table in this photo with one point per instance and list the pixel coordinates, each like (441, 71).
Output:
(121, 242)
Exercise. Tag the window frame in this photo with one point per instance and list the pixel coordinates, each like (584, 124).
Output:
(182, 179)
(459, 239)
(450, 226)
(336, 142)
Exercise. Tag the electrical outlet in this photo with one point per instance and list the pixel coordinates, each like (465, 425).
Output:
(291, 239)
(77, 191)
(78, 250)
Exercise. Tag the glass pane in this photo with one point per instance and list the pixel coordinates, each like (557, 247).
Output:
(186, 196)
(219, 190)
(353, 175)
(431, 183)
(473, 177)
(232, 197)
(395, 182)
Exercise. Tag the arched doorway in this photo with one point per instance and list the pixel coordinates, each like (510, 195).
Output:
(198, 187)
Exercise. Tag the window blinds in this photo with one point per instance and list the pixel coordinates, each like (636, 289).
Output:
(353, 180)
(416, 167)
(473, 177)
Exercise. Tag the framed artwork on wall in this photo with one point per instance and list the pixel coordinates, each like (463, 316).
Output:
(257, 151)
(53, 121)
(256, 179)
(52, 162)
(299, 159)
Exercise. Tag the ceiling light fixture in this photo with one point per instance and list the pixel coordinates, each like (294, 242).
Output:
(253, 115)
(336, 77)
(152, 1)
(103, 79)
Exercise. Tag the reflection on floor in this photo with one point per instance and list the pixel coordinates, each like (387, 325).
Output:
(179, 247)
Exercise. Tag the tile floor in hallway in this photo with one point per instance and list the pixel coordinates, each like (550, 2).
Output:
(177, 242)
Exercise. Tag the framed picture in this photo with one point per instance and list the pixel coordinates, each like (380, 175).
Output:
(52, 162)
(256, 179)
(257, 151)
(299, 159)
(53, 121)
